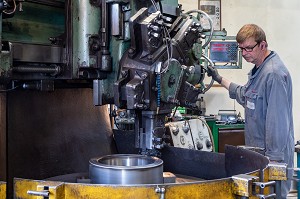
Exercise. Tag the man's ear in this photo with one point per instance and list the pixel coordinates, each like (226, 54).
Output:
(263, 45)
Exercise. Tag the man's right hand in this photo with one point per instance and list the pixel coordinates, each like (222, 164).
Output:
(213, 72)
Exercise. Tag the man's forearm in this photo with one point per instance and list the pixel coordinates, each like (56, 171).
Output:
(225, 83)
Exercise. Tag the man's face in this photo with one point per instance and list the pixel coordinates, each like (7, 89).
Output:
(250, 50)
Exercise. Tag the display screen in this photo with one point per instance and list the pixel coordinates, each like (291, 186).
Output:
(223, 51)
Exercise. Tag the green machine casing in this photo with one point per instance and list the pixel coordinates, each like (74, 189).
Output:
(232, 134)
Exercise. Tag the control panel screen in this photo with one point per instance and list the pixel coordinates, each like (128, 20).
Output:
(223, 51)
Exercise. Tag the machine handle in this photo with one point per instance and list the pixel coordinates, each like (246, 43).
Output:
(39, 193)
(263, 185)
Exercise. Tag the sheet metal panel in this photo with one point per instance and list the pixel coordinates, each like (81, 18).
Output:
(54, 133)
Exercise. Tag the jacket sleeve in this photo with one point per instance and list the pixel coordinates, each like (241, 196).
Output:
(277, 116)
(237, 92)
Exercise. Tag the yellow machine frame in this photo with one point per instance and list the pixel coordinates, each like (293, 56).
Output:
(225, 188)
(2, 190)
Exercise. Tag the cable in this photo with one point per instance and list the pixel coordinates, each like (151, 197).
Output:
(169, 48)
(11, 89)
(210, 23)
(167, 37)
(212, 81)
(174, 112)
(14, 9)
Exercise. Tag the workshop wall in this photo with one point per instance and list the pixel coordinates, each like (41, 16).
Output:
(280, 21)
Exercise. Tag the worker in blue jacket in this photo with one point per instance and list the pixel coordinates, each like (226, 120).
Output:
(266, 97)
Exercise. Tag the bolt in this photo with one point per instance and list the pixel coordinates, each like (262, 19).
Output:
(131, 51)
(124, 73)
(154, 88)
(159, 22)
(159, 146)
(191, 69)
(193, 30)
(150, 57)
(208, 143)
(185, 128)
(95, 47)
(175, 130)
(168, 19)
(155, 28)
(160, 190)
(144, 76)
(172, 80)
(139, 106)
(155, 34)
(199, 145)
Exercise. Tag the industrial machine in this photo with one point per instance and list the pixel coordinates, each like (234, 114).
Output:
(59, 58)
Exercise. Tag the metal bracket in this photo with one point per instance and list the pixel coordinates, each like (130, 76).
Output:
(243, 184)
(277, 171)
(262, 186)
(247, 186)
(48, 189)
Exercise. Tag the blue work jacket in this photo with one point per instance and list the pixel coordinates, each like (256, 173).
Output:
(267, 99)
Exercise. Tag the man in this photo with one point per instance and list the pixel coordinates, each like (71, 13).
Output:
(266, 97)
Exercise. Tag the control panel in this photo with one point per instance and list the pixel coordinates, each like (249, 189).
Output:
(191, 134)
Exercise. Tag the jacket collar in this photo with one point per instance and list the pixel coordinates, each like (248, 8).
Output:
(273, 53)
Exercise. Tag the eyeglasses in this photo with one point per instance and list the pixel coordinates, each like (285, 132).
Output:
(248, 49)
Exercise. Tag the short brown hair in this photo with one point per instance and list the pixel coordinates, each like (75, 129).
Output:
(251, 30)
